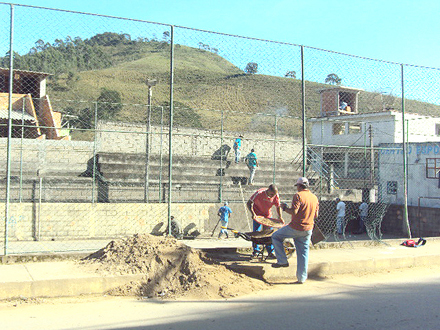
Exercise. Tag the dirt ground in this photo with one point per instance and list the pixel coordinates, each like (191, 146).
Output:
(171, 269)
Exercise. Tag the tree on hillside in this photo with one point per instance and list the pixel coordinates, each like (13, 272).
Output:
(39, 45)
(251, 68)
(204, 46)
(109, 103)
(110, 39)
(290, 74)
(71, 79)
(182, 115)
(166, 36)
(333, 79)
(86, 118)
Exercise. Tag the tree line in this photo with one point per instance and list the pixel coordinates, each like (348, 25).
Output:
(72, 55)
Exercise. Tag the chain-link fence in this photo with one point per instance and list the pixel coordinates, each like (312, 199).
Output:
(112, 126)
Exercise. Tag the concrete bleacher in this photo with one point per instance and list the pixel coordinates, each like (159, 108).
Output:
(194, 178)
(120, 177)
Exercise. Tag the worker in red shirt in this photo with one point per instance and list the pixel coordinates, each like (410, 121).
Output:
(260, 204)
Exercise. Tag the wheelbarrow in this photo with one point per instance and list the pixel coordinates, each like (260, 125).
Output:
(262, 238)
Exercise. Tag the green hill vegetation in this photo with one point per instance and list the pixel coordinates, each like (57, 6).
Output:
(112, 68)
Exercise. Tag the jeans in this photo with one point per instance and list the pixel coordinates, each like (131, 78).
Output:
(252, 170)
(237, 155)
(223, 223)
(259, 227)
(302, 243)
(362, 220)
(340, 224)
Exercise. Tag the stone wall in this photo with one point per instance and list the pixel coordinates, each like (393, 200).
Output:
(70, 221)
(131, 138)
(32, 158)
(46, 156)
(73, 221)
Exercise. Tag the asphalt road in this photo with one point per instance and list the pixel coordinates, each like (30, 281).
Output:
(401, 299)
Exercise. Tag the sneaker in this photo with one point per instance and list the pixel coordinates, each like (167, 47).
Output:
(271, 256)
(277, 265)
(255, 255)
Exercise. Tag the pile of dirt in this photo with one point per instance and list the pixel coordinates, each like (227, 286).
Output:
(171, 269)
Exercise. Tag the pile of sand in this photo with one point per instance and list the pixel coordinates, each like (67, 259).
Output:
(171, 269)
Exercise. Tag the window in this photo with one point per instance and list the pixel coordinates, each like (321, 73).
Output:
(437, 129)
(392, 187)
(338, 129)
(432, 168)
(354, 128)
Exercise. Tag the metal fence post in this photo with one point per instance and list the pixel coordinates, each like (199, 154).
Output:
(405, 170)
(95, 165)
(220, 196)
(170, 130)
(40, 197)
(275, 148)
(147, 149)
(370, 131)
(160, 154)
(20, 189)
(303, 106)
(8, 153)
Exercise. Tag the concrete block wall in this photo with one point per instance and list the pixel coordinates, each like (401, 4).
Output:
(70, 221)
(131, 138)
(48, 156)
(426, 224)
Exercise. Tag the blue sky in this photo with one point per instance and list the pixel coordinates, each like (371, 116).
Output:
(404, 31)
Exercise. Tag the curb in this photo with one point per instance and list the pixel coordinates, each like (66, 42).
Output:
(265, 272)
(64, 287)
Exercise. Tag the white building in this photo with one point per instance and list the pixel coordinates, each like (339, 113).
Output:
(423, 161)
(364, 151)
(386, 126)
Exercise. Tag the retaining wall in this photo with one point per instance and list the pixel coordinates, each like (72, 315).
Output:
(70, 221)
(30, 156)
(131, 138)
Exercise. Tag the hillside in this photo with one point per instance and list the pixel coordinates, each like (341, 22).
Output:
(203, 81)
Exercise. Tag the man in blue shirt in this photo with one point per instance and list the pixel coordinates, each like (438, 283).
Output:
(224, 213)
(343, 105)
(237, 146)
(252, 164)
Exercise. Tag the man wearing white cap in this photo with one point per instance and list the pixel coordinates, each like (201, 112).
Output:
(304, 211)
(224, 212)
